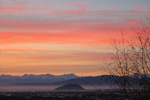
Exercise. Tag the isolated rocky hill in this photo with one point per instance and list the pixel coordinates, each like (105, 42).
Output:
(70, 87)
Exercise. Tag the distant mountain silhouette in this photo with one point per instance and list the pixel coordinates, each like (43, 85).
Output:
(71, 87)
(104, 80)
(98, 80)
(48, 79)
(34, 79)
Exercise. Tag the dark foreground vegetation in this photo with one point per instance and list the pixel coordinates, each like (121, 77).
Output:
(57, 96)
(71, 95)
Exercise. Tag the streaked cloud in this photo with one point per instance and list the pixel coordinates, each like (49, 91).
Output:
(67, 36)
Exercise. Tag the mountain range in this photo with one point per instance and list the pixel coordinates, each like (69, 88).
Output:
(48, 79)
(31, 78)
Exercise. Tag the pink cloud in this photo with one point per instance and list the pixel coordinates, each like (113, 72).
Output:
(13, 6)
(55, 55)
(133, 22)
(74, 32)
(82, 8)
(23, 7)
(140, 7)
(77, 9)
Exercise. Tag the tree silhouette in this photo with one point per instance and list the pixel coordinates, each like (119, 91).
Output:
(131, 61)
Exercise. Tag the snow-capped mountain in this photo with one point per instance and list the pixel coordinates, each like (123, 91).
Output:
(31, 78)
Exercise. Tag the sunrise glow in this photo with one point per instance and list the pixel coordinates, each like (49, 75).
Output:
(63, 36)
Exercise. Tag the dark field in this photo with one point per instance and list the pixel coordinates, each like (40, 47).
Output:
(86, 95)
(72, 95)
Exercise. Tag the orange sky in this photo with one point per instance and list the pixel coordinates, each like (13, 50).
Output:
(71, 36)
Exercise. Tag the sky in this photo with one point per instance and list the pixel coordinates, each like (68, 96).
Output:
(63, 36)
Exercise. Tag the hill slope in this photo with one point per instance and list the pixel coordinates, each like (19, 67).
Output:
(98, 80)
(70, 87)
